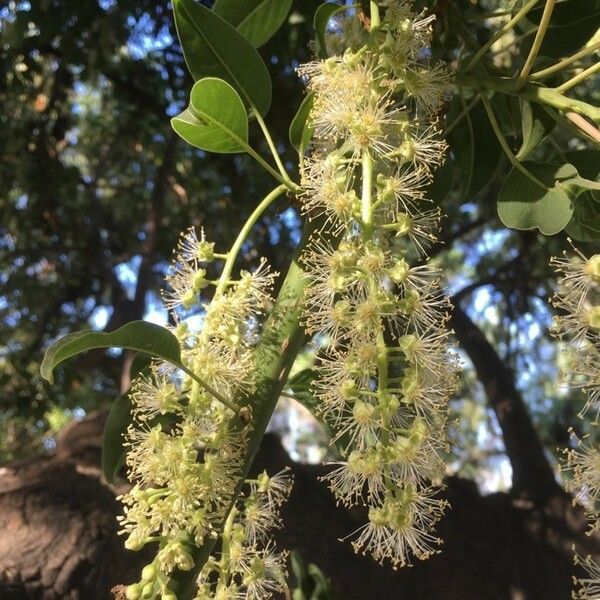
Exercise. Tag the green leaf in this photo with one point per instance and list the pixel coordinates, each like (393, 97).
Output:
(482, 153)
(321, 18)
(140, 336)
(216, 119)
(301, 129)
(523, 204)
(584, 226)
(214, 48)
(113, 450)
(536, 125)
(587, 164)
(256, 20)
(572, 25)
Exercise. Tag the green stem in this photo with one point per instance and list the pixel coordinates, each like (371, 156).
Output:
(500, 33)
(537, 43)
(374, 13)
(534, 93)
(565, 62)
(579, 78)
(211, 390)
(513, 159)
(265, 165)
(243, 235)
(271, 145)
(367, 185)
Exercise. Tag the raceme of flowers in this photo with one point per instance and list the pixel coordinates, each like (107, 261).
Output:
(384, 373)
(578, 302)
(185, 456)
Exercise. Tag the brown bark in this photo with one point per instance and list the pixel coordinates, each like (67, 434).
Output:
(59, 537)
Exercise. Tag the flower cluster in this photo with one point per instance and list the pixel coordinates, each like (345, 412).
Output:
(184, 450)
(248, 567)
(385, 372)
(578, 302)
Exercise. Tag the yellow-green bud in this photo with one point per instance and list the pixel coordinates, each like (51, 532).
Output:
(348, 389)
(593, 268)
(399, 272)
(403, 224)
(149, 573)
(134, 592)
(200, 282)
(594, 317)
(189, 299)
(407, 150)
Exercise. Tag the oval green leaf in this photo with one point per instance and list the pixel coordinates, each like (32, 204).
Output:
(214, 48)
(301, 129)
(523, 204)
(256, 20)
(321, 18)
(141, 336)
(216, 119)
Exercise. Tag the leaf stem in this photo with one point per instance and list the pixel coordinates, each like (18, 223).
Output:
(565, 62)
(211, 390)
(535, 93)
(243, 235)
(286, 181)
(580, 77)
(500, 33)
(511, 157)
(537, 43)
(271, 144)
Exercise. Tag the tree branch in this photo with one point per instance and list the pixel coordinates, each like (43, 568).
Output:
(532, 473)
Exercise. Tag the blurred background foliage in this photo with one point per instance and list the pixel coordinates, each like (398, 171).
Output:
(95, 189)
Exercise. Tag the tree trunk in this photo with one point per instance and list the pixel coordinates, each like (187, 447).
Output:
(58, 541)
(532, 473)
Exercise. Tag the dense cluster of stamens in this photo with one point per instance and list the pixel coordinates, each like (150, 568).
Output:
(578, 302)
(385, 372)
(184, 453)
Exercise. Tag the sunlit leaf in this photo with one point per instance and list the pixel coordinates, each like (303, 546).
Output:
(256, 20)
(214, 48)
(140, 336)
(216, 119)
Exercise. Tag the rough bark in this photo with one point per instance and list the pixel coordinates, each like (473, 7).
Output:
(59, 537)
